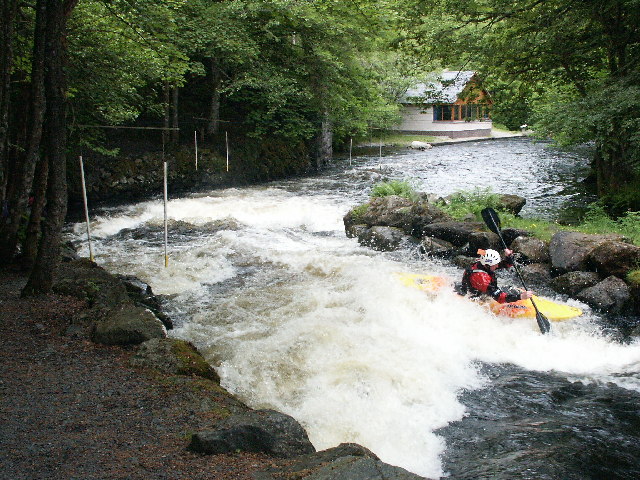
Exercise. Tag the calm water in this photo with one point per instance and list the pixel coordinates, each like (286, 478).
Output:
(295, 316)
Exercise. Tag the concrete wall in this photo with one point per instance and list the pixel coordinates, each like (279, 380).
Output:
(420, 121)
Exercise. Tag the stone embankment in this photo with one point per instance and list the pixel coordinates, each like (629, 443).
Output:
(122, 312)
(590, 268)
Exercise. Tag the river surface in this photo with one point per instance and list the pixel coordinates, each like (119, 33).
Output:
(295, 316)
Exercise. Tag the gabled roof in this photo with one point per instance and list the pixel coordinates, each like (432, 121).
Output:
(444, 89)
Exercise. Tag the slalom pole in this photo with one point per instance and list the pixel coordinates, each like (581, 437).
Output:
(195, 141)
(166, 236)
(226, 141)
(350, 149)
(86, 208)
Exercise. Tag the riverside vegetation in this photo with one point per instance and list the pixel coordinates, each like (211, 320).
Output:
(596, 261)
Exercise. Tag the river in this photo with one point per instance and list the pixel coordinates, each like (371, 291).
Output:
(295, 316)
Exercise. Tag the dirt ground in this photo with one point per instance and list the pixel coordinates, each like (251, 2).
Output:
(71, 409)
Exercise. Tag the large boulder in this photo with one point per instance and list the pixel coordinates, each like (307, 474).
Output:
(173, 356)
(457, 233)
(264, 431)
(572, 283)
(346, 461)
(395, 211)
(483, 240)
(532, 250)
(436, 247)
(141, 294)
(128, 325)
(386, 239)
(512, 203)
(570, 250)
(614, 258)
(536, 273)
(610, 295)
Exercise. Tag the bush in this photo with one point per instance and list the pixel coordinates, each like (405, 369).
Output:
(462, 203)
(394, 187)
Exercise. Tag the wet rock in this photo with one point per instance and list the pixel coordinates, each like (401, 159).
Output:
(512, 203)
(386, 239)
(483, 240)
(436, 247)
(532, 250)
(173, 356)
(510, 234)
(536, 273)
(570, 250)
(142, 295)
(458, 233)
(264, 431)
(610, 295)
(346, 461)
(416, 145)
(574, 282)
(129, 325)
(355, 230)
(614, 258)
(395, 211)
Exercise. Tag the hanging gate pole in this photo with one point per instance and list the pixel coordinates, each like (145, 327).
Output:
(86, 208)
(166, 236)
(195, 141)
(226, 141)
(350, 149)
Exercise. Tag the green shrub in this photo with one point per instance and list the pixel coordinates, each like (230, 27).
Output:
(462, 203)
(633, 277)
(395, 187)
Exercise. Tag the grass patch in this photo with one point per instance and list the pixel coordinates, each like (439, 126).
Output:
(401, 188)
(462, 203)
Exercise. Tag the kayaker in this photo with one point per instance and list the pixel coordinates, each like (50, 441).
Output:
(480, 278)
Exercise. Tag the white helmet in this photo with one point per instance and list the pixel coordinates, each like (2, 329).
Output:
(489, 257)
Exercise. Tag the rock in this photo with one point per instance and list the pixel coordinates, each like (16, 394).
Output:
(610, 295)
(536, 273)
(512, 203)
(386, 239)
(416, 145)
(346, 461)
(533, 250)
(129, 325)
(463, 261)
(569, 250)
(510, 234)
(355, 230)
(483, 240)
(458, 233)
(436, 247)
(574, 282)
(614, 258)
(173, 356)
(395, 211)
(264, 431)
(86, 280)
(142, 295)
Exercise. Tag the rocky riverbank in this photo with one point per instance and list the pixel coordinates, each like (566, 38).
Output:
(94, 388)
(590, 268)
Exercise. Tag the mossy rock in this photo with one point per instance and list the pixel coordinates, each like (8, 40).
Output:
(175, 357)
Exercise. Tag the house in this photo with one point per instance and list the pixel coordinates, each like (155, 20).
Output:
(454, 105)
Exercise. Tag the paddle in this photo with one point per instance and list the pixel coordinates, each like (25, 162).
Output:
(492, 220)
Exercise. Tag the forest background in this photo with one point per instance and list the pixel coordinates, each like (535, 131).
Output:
(283, 76)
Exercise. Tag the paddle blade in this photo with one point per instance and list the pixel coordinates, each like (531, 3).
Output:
(492, 219)
(543, 323)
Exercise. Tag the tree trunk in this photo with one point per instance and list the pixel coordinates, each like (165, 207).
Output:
(7, 33)
(214, 107)
(22, 175)
(174, 115)
(30, 246)
(54, 143)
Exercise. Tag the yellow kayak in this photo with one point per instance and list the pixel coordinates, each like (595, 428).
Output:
(556, 312)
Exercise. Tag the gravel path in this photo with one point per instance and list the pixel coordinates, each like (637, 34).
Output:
(70, 409)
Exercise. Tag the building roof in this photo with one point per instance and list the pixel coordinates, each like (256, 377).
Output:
(445, 89)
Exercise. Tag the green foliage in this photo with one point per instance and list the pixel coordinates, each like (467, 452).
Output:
(463, 203)
(633, 277)
(358, 211)
(395, 187)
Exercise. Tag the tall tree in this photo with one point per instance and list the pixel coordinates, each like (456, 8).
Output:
(54, 146)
